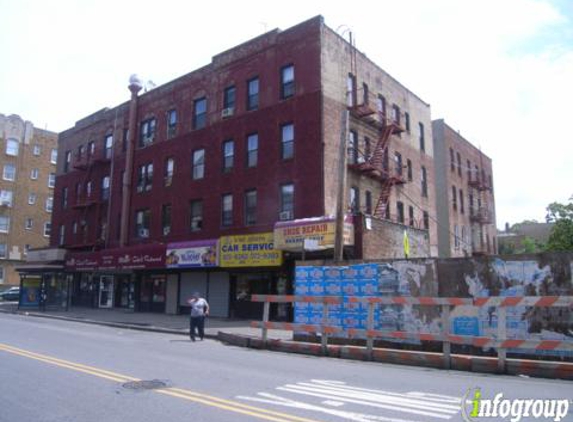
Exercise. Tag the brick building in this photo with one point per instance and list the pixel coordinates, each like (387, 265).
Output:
(212, 182)
(464, 181)
(28, 160)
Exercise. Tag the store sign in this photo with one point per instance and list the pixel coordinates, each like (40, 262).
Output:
(250, 250)
(310, 233)
(202, 253)
(133, 258)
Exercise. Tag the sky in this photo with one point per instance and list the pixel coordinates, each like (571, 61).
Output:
(498, 71)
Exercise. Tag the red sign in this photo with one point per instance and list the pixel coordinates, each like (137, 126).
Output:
(131, 258)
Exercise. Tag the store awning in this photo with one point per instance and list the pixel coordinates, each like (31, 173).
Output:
(139, 257)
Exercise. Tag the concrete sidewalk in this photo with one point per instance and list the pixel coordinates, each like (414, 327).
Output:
(145, 321)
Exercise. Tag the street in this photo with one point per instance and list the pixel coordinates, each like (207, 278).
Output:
(54, 370)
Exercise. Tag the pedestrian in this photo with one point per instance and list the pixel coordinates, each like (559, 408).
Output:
(199, 310)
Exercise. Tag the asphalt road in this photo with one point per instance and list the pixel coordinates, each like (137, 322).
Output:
(65, 371)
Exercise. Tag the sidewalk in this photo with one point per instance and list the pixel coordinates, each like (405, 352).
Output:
(145, 321)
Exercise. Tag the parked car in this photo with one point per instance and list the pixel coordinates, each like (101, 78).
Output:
(13, 293)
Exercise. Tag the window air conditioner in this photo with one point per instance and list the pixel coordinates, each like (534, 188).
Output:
(227, 112)
(285, 215)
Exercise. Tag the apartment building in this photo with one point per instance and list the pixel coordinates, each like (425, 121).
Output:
(465, 195)
(28, 157)
(217, 181)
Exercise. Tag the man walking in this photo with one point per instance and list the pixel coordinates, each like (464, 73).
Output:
(199, 310)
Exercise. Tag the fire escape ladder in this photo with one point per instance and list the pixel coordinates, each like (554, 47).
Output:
(377, 158)
(383, 200)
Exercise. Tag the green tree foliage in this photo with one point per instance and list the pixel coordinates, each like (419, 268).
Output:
(561, 238)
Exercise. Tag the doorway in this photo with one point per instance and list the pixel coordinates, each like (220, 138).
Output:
(152, 293)
(105, 291)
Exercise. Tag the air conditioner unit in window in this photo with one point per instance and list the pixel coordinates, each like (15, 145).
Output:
(5, 203)
(286, 215)
(227, 112)
(143, 232)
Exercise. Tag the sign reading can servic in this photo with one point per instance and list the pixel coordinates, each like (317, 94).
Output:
(201, 253)
(318, 232)
(250, 250)
(133, 258)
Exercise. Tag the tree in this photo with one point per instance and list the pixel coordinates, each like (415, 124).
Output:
(561, 237)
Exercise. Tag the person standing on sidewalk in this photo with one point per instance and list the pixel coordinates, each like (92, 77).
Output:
(199, 310)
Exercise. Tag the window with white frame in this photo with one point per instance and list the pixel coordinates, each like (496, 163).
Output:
(37, 150)
(3, 250)
(252, 150)
(32, 198)
(287, 81)
(34, 174)
(171, 123)
(62, 235)
(29, 223)
(145, 177)
(54, 156)
(105, 183)
(200, 113)
(47, 229)
(253, 94)
(227, 210)
(12, 147)
(196, 217)
(287, 202)
(4, 224)
(49, 203)
(6, 197)
(228, 155)
(108, 145)
(142, 223)
(1, 275)
(250, 207)
(198, 164)
(287, 141)
(51, 180)
(9, 172)
(147, 132)
(169, 168)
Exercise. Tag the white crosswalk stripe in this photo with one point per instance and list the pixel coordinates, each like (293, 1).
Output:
(336, 397)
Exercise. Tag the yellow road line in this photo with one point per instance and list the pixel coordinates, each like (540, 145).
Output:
(174, 392)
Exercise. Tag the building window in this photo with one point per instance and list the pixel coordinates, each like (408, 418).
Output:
(166, 219)
(424, 181)
(142, 223)
(123, 141)
(147, 132)
(145, 177)
(62, 235)
(252, 150)
(37, 150)
(12, 147)
(32, 199)
(411, 216)
(34, 174)
(287, 81)
(351, 149)
(4, 224)
(200, 113)
(454, 198)
(400, 211)
(91, 148)
(351, 90)
(227, 210)
(368, 202)
(287, 141)
(456, 237)
(409, 169)
(47, 229)
(396, 114)
(108, 145)
(49, 205)
(169, 168)
(229, 97)
(452, 160)
(75, 227)
(6, 198)
(459, 157)
(89, 189)
(52, 180)
(461, 201)
(65, 198)
(28, 224)
(228, 155)
(68, 161)
(367, 148)
(471, 204)
(354, 200)
(426, 219)
(253, 94)
(287, 202)
(3, 250)
(469, 170)
(407, 121)
(422, 137)
(105, 185)
(171, 123)
(54, 156)
(381, 105)
(198, 164)
(9, 172)
(196, 208)
(251, 207)
(398, 163)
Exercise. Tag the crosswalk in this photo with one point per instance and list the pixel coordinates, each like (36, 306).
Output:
(352, 403)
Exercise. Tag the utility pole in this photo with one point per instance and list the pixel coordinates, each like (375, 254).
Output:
(341, 197)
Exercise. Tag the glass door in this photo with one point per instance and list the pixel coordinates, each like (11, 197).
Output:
(105, 291)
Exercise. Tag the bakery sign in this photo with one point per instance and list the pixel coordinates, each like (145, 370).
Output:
(133, 258)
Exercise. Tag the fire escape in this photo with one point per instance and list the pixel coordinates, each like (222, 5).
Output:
(376, 164)
(87, 201)
(480, 215)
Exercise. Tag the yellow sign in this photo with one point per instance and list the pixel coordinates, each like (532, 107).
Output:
(249, 250)
(313, 234)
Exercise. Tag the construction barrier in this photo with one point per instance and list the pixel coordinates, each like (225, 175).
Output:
(501, 343)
